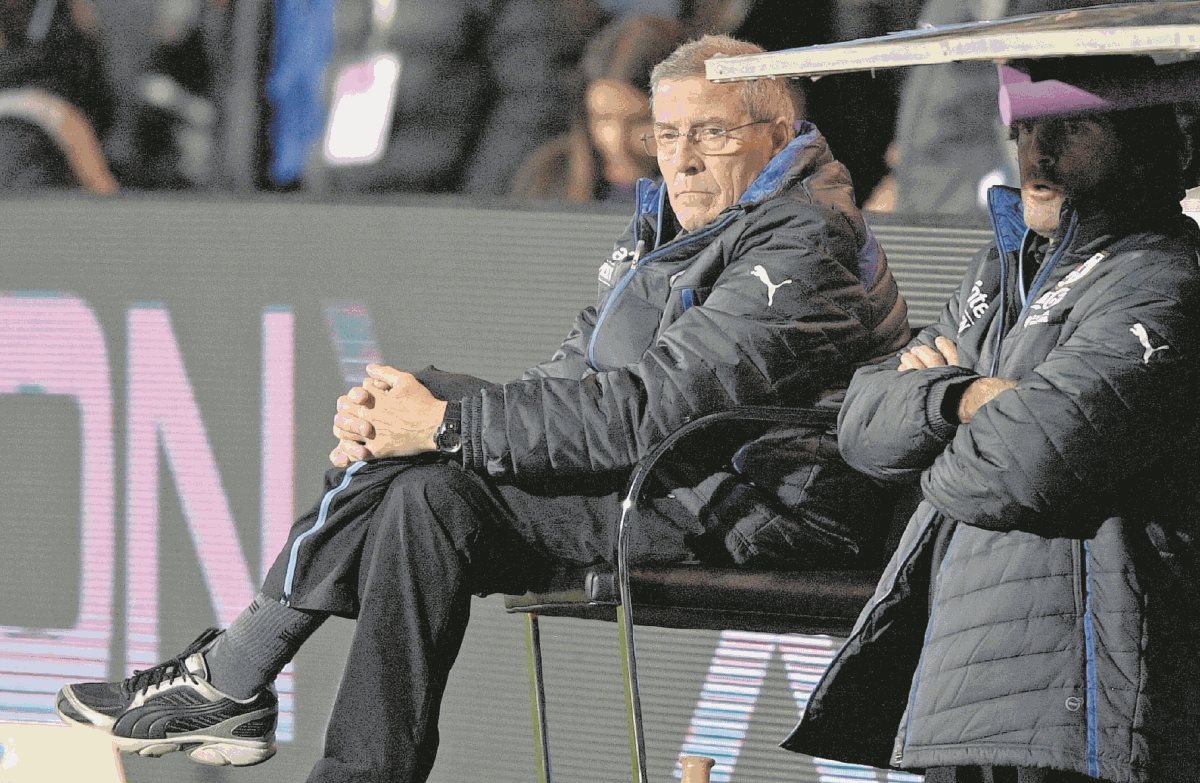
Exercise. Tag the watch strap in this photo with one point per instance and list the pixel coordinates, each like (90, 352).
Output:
(448, 435)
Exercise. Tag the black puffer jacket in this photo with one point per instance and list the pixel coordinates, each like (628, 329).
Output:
(1041, 609)
(776, 301)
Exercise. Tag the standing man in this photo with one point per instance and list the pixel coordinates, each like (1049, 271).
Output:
(749, 278)
(1039, 621)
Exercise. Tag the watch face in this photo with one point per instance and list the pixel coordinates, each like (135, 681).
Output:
(446, 439)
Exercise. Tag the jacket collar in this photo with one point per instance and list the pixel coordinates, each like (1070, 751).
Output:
(1008, 218)
(772, 177)
(1008, 221)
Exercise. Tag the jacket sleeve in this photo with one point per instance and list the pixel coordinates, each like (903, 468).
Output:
(1047, 455)
(734, 348)
(891, 426)
(570, 360)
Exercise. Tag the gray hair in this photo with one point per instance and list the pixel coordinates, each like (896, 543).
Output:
(764, 99)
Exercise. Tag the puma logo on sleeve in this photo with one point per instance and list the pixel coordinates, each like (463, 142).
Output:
(1139, 331)
(761, 274)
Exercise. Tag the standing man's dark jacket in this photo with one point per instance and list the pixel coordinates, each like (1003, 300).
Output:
(776, 301)
(1041, 610)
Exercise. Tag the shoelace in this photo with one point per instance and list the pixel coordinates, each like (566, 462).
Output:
(145, 679)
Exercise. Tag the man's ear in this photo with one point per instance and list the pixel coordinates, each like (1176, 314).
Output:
(781, 135)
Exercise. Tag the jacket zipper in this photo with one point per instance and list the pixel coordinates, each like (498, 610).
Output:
(1038, 281)
(901, 746)
(1083, 550)
(639, 261)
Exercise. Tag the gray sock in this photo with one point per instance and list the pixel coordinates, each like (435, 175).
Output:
(256, 647)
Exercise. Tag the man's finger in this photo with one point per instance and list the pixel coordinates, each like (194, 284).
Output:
(350, 427)
(338, 459)
(915, 359)
(354, 451)
(948, 349)
(354, 404)
(381, 372)
(929, 356)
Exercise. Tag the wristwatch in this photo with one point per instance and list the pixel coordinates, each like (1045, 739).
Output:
(448, 435)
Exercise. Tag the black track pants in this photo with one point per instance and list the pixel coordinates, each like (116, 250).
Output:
(402, 546)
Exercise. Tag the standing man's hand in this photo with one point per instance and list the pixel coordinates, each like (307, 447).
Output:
(921, 357)
(978, 393)
(942, 353)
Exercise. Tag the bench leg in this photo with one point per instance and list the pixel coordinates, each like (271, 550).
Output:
(633, 700)
(537, 696)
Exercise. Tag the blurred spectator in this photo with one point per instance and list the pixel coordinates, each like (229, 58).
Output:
(447, 95)
(601, 157)
(855, 111)
(163, 58)
(949, 144)
(626, 8)
(867, 18)
(300, 52)
(54, 97)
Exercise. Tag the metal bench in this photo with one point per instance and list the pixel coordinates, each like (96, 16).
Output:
(928, 258)
(688, 595)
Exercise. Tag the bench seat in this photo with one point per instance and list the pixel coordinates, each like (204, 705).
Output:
(706, 597)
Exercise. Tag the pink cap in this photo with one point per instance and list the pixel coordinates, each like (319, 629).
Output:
(1021, 97)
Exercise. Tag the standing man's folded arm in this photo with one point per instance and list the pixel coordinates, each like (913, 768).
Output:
(1096, 412)
(894, 423)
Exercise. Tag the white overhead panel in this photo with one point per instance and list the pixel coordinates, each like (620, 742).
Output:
(1128, 28)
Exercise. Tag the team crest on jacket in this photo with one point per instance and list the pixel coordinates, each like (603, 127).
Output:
(1079, 272)
(610, 266)
(977, 305)
(1039, 311)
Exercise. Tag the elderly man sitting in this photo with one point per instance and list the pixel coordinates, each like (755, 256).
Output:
(747, 277)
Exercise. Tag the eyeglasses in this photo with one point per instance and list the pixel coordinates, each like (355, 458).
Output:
(709, 139)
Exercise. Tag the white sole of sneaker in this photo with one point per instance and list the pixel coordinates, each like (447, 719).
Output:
(214, 751)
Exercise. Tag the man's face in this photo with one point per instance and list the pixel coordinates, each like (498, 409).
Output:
(700, 184)
(1064, 157)
(618, 116)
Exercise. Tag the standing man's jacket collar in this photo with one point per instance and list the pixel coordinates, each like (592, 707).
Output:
(1008, 221)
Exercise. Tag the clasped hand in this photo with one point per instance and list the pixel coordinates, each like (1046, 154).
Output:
(944, 352)
(391, 415)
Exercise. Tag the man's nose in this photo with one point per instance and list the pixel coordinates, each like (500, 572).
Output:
(687, 157)
(1044, 145)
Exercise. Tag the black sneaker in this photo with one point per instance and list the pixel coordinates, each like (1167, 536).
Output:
(172, 706)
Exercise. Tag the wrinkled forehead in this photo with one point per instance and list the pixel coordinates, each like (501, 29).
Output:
(696, 101)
